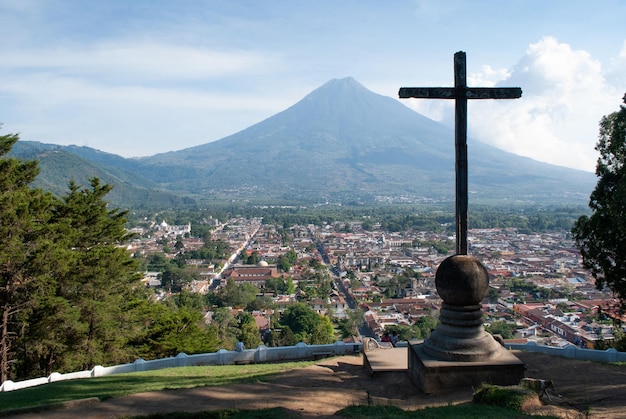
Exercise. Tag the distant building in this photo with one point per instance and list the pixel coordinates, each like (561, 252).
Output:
(251, 274)
(174, 230)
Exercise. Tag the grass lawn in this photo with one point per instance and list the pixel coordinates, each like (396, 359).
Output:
(139, 382)
(470, 411)
(189, 377)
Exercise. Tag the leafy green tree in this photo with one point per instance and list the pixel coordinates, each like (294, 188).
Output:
(282, 336)
(405, 333)
(349, 326)
(290, 287)
(179, 245)
(157, 262)
(254, 258)
(227, 327)
(307, 325)
(323, 332)
(501, 328)
(426, 324)
(248, 331)
(601, 237)
(301, 319)
(396, 286)
(202, 231)
(287, 260)
(174, 278)
(261, 302)
(83, 313)
(275, 284)
(233, 295)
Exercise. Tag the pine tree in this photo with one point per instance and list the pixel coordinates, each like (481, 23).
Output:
(101, 277)
(27, 258)
(92, 302)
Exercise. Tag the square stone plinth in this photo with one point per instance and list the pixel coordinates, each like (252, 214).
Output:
(432, 375)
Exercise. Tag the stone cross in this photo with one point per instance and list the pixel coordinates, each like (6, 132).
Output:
(460, 93)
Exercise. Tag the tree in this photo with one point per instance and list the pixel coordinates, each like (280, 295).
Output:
(405, 333)
(501, 328)
(601, 237)
(28, 255)
(307, 325)
(349, 326)
(233, 295)
(287, 260)
(99, 281)
(174, 278)
(168, 329)
(226, 324)
(248, 331)
(323, 332)
(426, 325)
(70, 296)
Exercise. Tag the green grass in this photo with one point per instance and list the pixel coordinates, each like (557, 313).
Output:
(273, 413)
(189, 377)
(465, 411)
(510, 396)
(125, 384)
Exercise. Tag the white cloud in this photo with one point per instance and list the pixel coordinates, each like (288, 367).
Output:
(488, 77)
(565, 94)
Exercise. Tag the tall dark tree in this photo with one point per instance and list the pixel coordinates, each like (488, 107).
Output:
(601, 237)
(70, 296)
(85, 317)
(26, 248)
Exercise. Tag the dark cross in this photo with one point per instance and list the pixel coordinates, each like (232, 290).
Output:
(460, 93)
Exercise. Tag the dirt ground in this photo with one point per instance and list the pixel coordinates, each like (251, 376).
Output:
(582, 390)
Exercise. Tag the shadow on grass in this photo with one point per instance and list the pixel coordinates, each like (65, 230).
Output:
(103, 388)
(465, 411)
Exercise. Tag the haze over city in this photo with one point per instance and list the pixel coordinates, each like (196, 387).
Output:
(143, 77)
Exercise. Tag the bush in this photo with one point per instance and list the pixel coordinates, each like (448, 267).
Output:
(512, 397)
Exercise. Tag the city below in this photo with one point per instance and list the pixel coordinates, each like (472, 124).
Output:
(538, 289)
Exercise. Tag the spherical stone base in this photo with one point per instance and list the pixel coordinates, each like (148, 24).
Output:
(462, 280)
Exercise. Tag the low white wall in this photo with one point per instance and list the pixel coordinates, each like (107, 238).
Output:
(300, 351)
(262, 354)
(571, 351)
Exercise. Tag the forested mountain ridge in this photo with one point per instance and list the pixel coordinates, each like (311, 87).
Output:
(342, 143)
(61, 164)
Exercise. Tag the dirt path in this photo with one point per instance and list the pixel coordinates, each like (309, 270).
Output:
(323, 389)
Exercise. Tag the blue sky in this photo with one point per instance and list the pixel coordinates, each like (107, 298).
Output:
(140, 77)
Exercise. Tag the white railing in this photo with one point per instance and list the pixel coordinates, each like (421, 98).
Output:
(262, 354)
(300, 351)
(571, 351)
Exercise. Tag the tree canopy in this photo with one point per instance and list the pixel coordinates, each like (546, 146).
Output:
(601, 237)
(70, 292)
(307, 325)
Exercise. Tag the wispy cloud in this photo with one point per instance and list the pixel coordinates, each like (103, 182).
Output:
(139, 61)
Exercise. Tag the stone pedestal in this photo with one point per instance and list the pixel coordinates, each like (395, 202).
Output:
(459, 353)
(432, 375)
